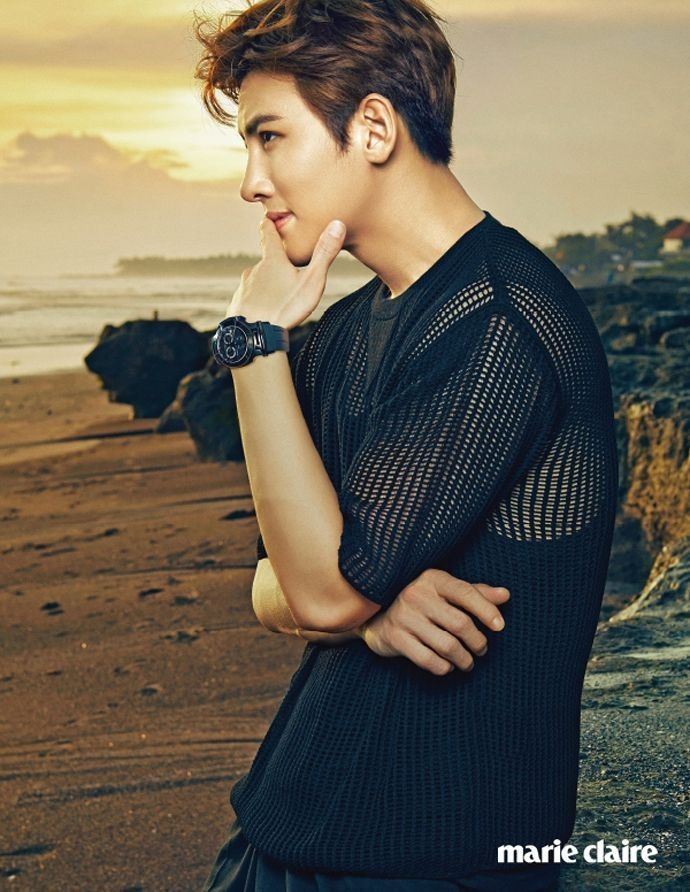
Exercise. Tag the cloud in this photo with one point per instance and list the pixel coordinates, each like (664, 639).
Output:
(65, 156)
(561, 124)
(76, 203)
(167, 44)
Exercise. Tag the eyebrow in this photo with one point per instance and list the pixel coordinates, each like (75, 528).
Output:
(255, 121)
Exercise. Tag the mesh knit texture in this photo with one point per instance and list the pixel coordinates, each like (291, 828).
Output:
(466, 425)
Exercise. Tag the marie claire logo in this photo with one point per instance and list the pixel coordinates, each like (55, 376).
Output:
(599, 852)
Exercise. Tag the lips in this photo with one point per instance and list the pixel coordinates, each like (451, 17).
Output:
(282, 220)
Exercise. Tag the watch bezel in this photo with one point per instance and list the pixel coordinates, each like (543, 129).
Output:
(250, 337)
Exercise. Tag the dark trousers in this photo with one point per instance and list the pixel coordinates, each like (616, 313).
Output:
(239, 867)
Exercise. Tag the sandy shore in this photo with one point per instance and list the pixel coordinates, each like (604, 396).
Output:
(135, 681)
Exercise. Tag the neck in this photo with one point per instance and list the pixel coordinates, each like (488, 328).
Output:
(404, 235)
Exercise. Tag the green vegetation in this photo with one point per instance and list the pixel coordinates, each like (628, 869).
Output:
(623, 251)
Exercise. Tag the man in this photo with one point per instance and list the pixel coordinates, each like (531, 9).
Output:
(451, 420)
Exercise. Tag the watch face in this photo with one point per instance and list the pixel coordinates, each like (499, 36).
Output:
(231, 344)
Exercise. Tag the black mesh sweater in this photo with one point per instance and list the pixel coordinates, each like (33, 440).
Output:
(467, 425)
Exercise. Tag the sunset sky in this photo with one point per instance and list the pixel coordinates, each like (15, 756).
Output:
(569, 115)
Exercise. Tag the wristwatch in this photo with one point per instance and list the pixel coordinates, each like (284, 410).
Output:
(236, 341)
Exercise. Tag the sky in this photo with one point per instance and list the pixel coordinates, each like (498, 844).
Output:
(568, 116)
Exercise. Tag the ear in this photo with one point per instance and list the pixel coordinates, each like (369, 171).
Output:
(376, 126)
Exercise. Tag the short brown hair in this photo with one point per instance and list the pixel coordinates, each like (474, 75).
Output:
(338, 51)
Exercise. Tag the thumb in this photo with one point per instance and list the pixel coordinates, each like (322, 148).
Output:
(327, 247)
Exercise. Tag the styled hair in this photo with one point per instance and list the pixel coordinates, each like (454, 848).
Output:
(338, 51)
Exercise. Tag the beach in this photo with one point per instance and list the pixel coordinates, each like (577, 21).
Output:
(136, 683)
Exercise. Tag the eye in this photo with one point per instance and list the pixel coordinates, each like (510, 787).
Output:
(266, 133)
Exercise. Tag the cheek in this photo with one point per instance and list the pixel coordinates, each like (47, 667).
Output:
(317, 185)
(312, 176)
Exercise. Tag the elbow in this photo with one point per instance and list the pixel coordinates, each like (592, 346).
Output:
(342, 608)
(311, 615)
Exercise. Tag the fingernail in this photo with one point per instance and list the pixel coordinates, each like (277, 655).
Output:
(497, 623)
(481, 653)
(336, 227)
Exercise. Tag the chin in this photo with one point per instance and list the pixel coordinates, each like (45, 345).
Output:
(298, 257)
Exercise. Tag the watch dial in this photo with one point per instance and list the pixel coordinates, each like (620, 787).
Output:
(232, 343)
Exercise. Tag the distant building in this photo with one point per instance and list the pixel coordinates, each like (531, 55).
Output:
(677, 240)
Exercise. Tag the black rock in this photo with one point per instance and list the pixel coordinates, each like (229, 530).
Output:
(205, 406)
(142, 361)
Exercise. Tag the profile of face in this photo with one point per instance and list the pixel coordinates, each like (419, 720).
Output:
(293, 165)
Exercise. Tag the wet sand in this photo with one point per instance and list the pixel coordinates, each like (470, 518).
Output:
(136, 683)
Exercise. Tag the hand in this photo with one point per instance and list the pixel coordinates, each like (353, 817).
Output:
(410, 626)
(275, 290)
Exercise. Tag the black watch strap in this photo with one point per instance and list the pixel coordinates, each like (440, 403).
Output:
(273, 337)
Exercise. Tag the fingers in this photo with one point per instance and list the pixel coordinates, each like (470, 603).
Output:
(439, 634)
(497, 594)
(470, 598)
(271, 242)
(459, 623)
(425, 657)
(429, 647)
(448, 646)
(451, 632)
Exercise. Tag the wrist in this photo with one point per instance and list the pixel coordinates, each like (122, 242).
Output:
(361, 630)
(257, 314)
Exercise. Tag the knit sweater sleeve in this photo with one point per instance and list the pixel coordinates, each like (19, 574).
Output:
(464, 422)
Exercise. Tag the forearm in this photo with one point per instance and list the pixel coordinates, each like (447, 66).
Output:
(273, 612)
(296, 504)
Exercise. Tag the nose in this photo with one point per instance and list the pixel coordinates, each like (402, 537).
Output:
(256, 184)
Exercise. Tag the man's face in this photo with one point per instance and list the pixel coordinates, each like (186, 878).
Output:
(293, 165)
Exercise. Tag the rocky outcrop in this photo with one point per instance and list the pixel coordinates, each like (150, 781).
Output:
(657, 465)
(646, 332)
(205, 405)
(666, 592)
(205, 402)
(142, 362)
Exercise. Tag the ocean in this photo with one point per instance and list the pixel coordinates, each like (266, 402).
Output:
(50, 324)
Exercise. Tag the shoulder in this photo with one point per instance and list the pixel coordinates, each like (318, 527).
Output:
(532, 283)
(543, 296)
(500, 308)
(551, 311)
(511, 255)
